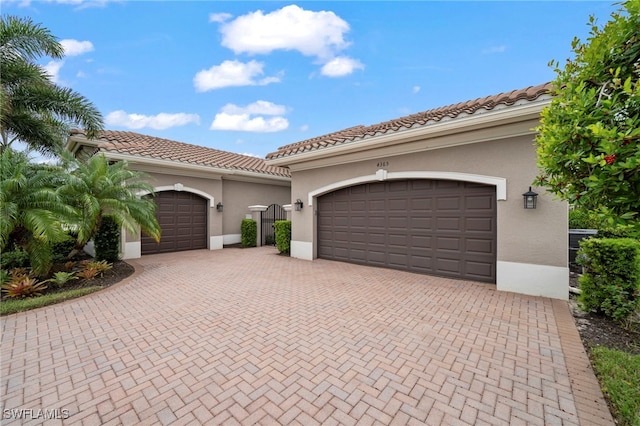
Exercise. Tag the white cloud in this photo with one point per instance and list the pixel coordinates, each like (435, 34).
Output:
(243, 122)
(219, 17)
(250, 118)
(75, 47)
(53, 69)
(232, 73)
(494, 49)
(319, 34)
(341, 66)
(415, 89)
(250, 154)
(158, 122)
(256, 108)
(304, 127)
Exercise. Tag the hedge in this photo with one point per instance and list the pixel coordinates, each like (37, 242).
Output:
(611, 280)
(283, 235)
(248, 233)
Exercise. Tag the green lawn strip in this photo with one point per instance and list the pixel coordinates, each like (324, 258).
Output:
(619, 374)
(9, 306)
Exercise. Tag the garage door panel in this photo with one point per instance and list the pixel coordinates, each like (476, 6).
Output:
(448, 266)
(448, 243)
(479, 224)
(428, 226)
(480, 246)
(478, 202)
(448, 203)
(448, 223)
(421, 204)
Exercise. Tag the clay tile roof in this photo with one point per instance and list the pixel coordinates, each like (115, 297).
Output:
(136, 144)
(414, 120)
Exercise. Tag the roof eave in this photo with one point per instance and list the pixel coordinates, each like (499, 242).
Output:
(76, 141)
(512, 114)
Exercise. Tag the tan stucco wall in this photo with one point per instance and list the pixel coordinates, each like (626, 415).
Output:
(237, 196)
(526, 236)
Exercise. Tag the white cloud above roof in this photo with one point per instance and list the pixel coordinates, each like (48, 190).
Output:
(219, 17)
(232, 73)
(75, 47)
(320, 34)
(159, 122)
(494, 49)
(250, 118)
(258, 107)
(341, 66)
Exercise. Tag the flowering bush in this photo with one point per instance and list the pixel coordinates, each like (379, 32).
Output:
(589, 138)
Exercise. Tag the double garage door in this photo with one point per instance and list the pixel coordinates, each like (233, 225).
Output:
(436, 227)
(183, 219)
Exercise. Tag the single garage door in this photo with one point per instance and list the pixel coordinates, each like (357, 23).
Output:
(436, 227)
(183, 219)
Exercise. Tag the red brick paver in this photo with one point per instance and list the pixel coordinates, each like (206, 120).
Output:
(250, 337)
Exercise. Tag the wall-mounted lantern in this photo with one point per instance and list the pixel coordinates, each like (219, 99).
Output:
(530, 199)
(219, 207)
(298, 204)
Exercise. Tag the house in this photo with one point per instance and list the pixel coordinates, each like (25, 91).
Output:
(439, 192)
(192, 184)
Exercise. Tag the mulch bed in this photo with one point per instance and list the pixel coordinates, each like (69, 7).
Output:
(119, 271)
(597, 330)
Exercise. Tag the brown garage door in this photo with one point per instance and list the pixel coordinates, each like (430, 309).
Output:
(436, 227)
(183, 219)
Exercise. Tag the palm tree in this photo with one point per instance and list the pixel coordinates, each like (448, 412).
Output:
(33, 109)
(97, 188)
(32, 212)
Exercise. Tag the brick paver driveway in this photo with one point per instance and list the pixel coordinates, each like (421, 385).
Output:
(247, 336)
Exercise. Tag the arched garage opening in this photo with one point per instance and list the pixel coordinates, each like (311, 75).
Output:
(183, 219)
(430, 226)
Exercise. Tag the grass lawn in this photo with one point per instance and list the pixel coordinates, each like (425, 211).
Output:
(11, 306)
(619, 374)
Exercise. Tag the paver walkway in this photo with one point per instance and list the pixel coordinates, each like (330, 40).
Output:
(250, 337)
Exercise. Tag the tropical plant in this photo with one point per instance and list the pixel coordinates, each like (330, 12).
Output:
(88, 273)
(97, 188)
(61, 278)
(23, 287)
(100, 266)
(33, 109)
(32, 211)
(589, 137)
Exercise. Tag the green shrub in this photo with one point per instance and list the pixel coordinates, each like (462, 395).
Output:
(611, 282)
(582, 219)
(60, 278)
(248, 233)
(17, 258)
(107, 240)
(60, 250)
(283, 235)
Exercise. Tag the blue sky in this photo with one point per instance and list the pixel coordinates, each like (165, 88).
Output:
(248, 77)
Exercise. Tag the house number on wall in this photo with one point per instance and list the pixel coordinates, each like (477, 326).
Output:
(382, 164)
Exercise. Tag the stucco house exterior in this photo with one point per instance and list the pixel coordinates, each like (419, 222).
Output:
(438, 192)
(192, 184)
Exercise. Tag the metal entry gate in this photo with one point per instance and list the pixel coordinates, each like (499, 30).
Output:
(268, 217)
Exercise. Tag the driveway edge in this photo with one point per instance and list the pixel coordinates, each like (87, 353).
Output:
(592, 409)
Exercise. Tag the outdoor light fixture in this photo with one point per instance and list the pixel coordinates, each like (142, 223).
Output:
(299, 204)
(219, 207)
(530, 199)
